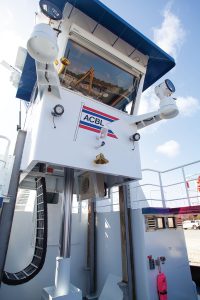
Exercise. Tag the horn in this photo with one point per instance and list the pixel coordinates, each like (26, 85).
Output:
(101, 160)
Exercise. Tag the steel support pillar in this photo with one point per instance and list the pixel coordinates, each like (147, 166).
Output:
(128, 283)
(63, 289)
(9, 208)
(65, 244)
(91, 253)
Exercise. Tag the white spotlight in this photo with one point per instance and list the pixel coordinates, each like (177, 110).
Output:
(168, 108)
(42, 45)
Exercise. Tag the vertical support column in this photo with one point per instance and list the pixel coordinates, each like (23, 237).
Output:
(65, 247)
(9, 208)
(127, 285)
(63, 289)
(134, 109)
(62, 277)
(91, 253)
(186, 189)
(162, 190)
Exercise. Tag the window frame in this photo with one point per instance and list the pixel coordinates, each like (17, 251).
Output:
(132, 72)
(106, 51)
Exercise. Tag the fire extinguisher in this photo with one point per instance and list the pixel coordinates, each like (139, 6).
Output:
(161, 284)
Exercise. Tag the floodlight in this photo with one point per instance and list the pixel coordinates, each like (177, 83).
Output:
(42, 45)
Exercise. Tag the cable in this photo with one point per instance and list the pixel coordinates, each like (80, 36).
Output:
(39, 256)
(54, 125)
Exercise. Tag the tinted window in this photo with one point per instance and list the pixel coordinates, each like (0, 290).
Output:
(171, 222)
(94, 76)
(160, 223)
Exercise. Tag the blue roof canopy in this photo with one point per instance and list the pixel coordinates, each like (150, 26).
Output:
(159, 61)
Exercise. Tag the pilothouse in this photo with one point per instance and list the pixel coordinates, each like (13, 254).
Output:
(82, 76)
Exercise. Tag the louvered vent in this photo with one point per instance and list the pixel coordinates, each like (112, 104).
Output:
(179, 222)
(150, 223)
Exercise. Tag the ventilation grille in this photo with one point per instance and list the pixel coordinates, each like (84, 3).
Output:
(179, 222)
(150, 223)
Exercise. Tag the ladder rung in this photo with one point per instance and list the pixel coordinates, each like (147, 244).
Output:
(40, 195)
(15, 276)
(39, 247)
(24, 272)
(37, 256)
(39, 186)
(34, 266)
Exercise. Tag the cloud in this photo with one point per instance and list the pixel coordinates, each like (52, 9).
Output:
(171, 34)
(9, 46)
(7, 18)
(170, 148)
(148, 102)
(188, 105)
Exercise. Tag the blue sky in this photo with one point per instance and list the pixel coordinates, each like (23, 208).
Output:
(174, 25)
(179, 21)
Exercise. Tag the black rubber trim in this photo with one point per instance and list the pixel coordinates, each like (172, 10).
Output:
(39, 256)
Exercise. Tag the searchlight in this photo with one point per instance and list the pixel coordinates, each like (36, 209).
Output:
(168, 108)
(42, 45)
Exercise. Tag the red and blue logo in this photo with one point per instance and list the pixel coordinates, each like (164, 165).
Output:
(94, 120)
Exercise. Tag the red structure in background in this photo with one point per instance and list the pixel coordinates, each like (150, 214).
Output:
(198, 184)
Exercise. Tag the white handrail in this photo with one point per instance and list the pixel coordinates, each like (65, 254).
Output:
(169, 170)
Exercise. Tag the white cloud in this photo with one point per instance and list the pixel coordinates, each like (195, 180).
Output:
(148, 102)
(7, 18)
(10, 43)
(188, 105)
(170, 148)
(170, 35)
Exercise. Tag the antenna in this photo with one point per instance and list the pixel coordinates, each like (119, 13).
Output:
(8, 66)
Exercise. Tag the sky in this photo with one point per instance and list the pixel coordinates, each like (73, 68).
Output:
(174, 26)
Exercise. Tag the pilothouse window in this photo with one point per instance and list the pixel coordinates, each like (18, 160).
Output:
(98, 78)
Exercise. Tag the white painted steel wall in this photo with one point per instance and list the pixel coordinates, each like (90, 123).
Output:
(108, 247)
(71, 146)
(20, 254)
(21, 250)
(164, 242)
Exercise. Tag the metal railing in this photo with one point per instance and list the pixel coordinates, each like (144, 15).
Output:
(164, 189)
(181, 192)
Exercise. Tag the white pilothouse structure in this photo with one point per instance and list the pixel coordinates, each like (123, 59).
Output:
(83, 74)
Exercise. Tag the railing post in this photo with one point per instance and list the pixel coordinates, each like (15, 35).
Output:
(162, 190)
(128, 277)
(186, 188)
